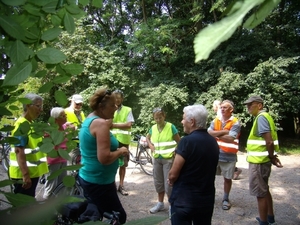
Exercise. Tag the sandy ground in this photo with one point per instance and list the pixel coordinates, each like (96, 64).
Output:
(284, 186)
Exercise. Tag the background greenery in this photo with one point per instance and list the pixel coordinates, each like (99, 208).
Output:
(160, 53)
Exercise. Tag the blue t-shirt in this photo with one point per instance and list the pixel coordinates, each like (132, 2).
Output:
(92, 170)
(195, 185)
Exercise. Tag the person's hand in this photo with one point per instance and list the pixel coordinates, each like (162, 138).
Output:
(276, 162)
(110, 122)
(124, 151)
(26, 182)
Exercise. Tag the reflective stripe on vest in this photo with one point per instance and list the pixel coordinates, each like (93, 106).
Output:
(226, 146)
(36, 160)
(163, 141)
(256, 146)
(123, 136)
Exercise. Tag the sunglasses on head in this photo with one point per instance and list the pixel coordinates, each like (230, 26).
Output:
(157, 110)
(107, 92)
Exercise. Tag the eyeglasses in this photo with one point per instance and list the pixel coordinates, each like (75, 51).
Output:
(107, 92)
(38, 106)
(155, 110)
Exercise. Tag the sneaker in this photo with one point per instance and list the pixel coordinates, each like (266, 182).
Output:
(237, 173)
(122, 190)
(226, 205)
(158, 207)
(258, 220)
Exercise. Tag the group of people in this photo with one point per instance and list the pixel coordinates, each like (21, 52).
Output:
(184, 168)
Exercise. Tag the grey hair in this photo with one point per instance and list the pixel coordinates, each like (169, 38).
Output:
(197, 112)
(56, 111)
(33, 97)
(229, 102)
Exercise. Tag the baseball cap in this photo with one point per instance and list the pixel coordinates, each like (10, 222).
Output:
(254, 98)
(77, 98)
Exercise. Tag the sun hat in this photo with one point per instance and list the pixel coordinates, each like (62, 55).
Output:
(77, 98)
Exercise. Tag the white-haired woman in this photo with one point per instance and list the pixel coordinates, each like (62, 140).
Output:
(58, 162)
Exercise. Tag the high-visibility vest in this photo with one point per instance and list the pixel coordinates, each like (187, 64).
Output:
(122, 135)
(72, 118)
(163, 141)
(227, 147)
(36, 160)
(256, 146)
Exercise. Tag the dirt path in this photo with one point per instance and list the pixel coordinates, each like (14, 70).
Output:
(284, 185)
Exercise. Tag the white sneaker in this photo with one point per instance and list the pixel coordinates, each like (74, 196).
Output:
(158, 207)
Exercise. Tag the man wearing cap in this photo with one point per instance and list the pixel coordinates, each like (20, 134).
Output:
(226, 130)
(121, 129)
(73, 112)
(262, 145)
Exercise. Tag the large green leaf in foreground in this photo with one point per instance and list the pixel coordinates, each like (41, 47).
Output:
(213, 35)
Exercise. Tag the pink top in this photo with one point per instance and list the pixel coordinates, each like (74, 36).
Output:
(58, 159)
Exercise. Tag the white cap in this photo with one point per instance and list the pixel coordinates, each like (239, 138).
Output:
(77, 98)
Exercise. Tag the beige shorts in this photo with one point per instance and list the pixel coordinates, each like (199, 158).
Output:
(161, 168)
(258, 178)
(226, 169)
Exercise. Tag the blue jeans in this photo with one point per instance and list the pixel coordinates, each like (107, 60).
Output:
(105, 197)
(188, 216)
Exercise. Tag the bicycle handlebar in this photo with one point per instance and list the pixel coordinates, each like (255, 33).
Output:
(113, 217)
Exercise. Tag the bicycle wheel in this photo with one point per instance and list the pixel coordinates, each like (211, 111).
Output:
(145, 160)
(5, 157)
(61, 190)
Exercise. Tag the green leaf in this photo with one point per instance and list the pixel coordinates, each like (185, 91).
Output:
(41, 73)
(50, 7)
(60, 70)
(261, 13)
(5, 112)
(63, 153)
(4, 183)
(14, 107)
(56, 21)
(73, 9)
(46, 147)
(57, 137)
(17, 74)
(69, 181)
(32, 9)
(69, 23)
(46, 87)
(97, 3)
(84, 2)
(14, 2)
(11, 27)
(51, 55)
(7, 128)
(61, 98)
(61, 79)
(213, 35)
(19, 199)
(51, 34)
(19, 52)
(55, 174)
(73, 68)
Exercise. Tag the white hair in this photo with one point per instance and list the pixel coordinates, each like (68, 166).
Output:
(56, 111)
(198, 113)
(33, 97)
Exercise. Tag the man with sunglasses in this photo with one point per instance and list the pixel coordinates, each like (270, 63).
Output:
(122, 123)
(74, 112)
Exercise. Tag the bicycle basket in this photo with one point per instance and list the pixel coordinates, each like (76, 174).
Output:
(143, 141)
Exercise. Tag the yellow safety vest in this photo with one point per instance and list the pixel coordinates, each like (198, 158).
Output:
(163, 141)
(72, 118)
(256, 146)
(36, 160)
(122, 135)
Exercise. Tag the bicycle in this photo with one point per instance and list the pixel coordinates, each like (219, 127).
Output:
(142, 155)
(5, 150)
